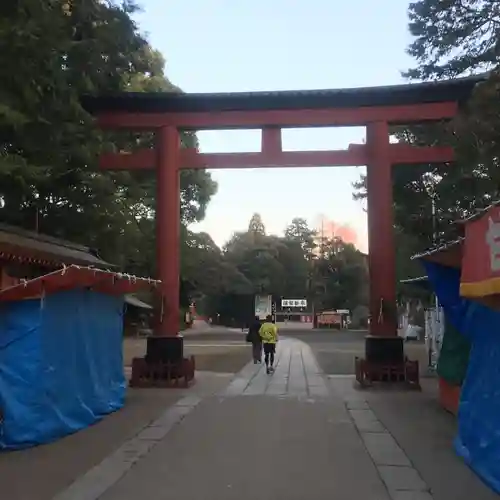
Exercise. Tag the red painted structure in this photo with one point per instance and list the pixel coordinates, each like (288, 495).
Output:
(73, 276)
(375, 108)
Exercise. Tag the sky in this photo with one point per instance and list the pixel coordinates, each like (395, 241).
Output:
(252, 45)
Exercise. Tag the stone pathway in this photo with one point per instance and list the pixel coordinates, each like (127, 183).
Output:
(400, 477)
(296, 375)
(280, 436)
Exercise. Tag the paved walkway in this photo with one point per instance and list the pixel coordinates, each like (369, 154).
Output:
(283, 436)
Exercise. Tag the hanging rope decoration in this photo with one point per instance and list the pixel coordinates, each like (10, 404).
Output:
(79, 273)
(381, 312)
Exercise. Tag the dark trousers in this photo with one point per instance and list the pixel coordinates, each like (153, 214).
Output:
(269, 351)
(257, 351)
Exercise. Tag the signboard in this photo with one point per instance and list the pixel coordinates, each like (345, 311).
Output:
(481, 256)
(293, 303)
(263, 306)
(329, 318)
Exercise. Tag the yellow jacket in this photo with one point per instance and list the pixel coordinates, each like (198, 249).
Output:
(269, 333)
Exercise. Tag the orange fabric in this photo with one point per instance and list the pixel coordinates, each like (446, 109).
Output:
(449, 396)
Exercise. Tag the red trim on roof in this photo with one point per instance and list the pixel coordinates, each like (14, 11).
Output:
(7, 256)
(73, 277)
(18, 253)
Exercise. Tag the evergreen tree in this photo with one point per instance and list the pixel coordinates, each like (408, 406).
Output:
(256, 226)
(452, 38)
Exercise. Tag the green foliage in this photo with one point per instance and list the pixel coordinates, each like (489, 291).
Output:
(339, 277)
(452, 38)
(256, 226)
(299, 231)
(282, 266)
(52, 52)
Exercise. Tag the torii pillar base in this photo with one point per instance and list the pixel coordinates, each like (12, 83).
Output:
(165, 349)
(164, 364)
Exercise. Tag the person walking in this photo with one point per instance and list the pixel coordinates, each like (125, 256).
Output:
(253, 336)
(269, 334)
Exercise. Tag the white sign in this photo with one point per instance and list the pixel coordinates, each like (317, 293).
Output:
(493, 241)
(293, 303)
(263, 305)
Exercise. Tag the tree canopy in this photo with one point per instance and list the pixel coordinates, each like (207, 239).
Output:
(52, 52)
(253, 262)
(451, 39)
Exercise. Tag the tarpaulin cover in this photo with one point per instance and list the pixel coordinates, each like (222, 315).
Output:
(478, 439)
(61, 366)
(454, 355)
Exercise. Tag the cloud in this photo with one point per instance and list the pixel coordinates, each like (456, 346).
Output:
(329, 228)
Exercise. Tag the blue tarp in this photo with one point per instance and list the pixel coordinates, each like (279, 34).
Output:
(61, 366)
(478, 439)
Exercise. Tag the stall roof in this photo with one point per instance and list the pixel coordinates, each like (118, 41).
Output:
(420, 282)
(78, 277)
(22, 245)
(132, 300)
(411, 281)
(178, 102)
(448, 254)
(478, 213)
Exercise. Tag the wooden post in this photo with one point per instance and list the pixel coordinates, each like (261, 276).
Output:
(381, 253)
(168, 228)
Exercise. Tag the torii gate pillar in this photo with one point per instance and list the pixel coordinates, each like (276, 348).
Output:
(168, 229)
(167, 344)
(381, 253)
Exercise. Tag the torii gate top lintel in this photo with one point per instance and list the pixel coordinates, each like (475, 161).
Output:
(376, 108)
(404, 103)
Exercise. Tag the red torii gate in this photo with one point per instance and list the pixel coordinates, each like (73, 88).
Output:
(376, 108)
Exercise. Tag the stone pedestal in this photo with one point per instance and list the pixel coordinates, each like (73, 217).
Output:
(385, 361)
(164, 364)
(165, 349)
(384, 350)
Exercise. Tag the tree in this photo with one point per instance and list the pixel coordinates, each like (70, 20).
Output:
(256, 226)
(205, 269)
(299, 231)
(452, 38)
(52, 52)
(340, 277)
(286, 266)
(258, 260)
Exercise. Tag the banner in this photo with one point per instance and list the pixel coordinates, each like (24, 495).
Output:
(481, 258)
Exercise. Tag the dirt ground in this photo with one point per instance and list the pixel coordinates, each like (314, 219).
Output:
(220, 357)
(41, 472)
(336, 355)
(53, 467)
